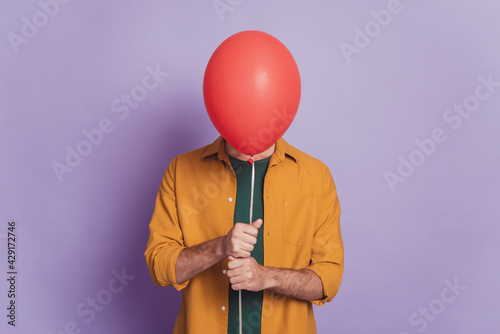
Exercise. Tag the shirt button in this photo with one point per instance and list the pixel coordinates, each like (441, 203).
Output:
(223, 308)
(224, 271)
(230, 199)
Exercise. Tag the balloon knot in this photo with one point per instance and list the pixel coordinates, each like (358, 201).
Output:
(250, 161)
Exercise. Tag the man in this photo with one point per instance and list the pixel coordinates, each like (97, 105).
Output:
(201, 242)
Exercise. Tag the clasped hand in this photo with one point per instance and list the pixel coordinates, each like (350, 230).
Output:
(244, 272)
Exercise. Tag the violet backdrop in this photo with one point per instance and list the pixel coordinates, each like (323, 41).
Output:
(400, 99)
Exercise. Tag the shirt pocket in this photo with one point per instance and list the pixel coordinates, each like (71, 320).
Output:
(299, 219)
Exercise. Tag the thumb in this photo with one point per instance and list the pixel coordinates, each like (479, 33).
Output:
(257, 224)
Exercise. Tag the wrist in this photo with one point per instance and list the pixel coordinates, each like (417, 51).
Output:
(269, 278)
(219, 248)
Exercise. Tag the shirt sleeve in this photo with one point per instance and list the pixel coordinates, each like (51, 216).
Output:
(327, 254)
(165, 241)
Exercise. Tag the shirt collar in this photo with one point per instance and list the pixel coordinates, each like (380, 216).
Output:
(283, 149)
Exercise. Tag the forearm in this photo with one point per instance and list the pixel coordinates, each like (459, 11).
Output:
(301, 284)
(196, 259)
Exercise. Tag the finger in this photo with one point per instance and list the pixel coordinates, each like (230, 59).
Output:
(236, 263)
(257, 224)
(236, 279)
(240, 249)
(243, 254)
(248, 228)
(237, 275)
(251, 230)
(239, 226)
(249, 239)
(245, 233)
(232, 273)
(246, 247)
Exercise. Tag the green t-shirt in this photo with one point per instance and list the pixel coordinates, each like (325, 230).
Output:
(251, 301)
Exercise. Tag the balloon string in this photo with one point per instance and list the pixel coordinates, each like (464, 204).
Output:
(252, 186)
(251, 162)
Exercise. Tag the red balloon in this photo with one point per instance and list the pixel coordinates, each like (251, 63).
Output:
(251, 90)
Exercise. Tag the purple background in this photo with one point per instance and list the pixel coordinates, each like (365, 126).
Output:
(358, 117)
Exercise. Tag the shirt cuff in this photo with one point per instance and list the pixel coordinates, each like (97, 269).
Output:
(330, 278)
(165, 262)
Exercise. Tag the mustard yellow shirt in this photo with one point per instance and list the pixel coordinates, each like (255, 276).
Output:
(195, 203)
